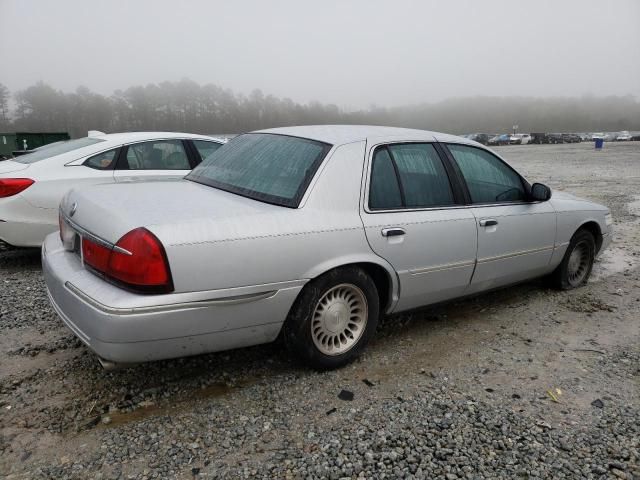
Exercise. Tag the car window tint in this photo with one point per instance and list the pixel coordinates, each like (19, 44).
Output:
(157, 155)
(423, 178)
(384, 191)
(271, 168)
(102, 161)
(488, 179)
(206, 148)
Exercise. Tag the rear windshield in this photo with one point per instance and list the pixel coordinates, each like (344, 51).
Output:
(270, 168)
(57, 149)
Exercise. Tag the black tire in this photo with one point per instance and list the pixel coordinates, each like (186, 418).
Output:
(565, 277)
(297, 331)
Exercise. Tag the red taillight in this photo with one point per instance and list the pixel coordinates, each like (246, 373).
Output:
(13, 186)
(147, 265)
(138, 261)
(95, 255)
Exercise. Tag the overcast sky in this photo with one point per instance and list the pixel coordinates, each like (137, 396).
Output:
(353, 53)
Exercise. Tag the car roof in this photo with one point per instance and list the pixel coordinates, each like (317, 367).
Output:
(341, 134)
(136, 136)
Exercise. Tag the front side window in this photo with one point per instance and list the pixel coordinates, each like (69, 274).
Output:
(488, 179)
(205, 148)
(102, 161)
(409, 175)
(156, 155)
(266, 167)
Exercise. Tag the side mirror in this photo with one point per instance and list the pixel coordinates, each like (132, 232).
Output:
(540, 192)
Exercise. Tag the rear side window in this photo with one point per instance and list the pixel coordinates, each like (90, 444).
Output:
(102, 161)
(384, 192)
(157, 155)
(488, 178)
(409, 175)
(205, 148)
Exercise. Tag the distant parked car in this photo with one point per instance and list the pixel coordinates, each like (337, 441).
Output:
(482, 138)
(635, 136)
(502, 139)
(520, 139)
(539, 138)
(32, 185)
(571, 138)
(610, 137)
(555, 138)
(308, 234)
(623, 137)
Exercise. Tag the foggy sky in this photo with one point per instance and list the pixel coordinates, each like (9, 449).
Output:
(353, 53)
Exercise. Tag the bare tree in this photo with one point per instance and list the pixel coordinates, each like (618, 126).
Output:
(4, 104)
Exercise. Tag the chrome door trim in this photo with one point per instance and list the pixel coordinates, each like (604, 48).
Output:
(438, 268)
(516, 254)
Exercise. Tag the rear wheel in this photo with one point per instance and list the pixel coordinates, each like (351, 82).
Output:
(577, 262)
(333, 319)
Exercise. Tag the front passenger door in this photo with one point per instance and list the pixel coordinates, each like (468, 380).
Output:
(515, 236)
(156, 159)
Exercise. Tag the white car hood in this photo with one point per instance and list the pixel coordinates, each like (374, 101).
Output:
(9, 166)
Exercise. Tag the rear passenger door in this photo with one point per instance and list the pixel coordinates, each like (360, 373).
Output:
(515, 236)
(414, 218)
(154, 159)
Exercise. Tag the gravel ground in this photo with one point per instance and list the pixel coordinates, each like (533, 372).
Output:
(521, 383)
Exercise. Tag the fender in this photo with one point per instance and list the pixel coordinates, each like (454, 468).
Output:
(358, 257)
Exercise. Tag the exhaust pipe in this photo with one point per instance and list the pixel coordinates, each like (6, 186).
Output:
(110, 366)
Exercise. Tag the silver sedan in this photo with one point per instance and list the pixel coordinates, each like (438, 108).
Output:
(308, 233)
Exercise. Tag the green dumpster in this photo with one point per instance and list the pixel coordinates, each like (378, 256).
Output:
(20, 141)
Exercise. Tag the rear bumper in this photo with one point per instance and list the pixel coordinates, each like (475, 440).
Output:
(123, 327)
(23, 225)
(25, 234)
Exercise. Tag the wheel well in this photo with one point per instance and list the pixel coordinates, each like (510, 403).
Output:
(380, 278)
(383, 283)
(594, 229)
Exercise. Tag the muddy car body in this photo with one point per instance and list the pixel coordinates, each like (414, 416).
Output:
(308, 232)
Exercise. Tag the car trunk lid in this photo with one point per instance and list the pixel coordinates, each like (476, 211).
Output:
(10, 166)
(164, 207)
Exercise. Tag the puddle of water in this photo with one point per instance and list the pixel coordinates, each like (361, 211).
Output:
(216, 390)
(611, 262)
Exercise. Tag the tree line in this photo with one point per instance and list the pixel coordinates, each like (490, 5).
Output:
(190, 107)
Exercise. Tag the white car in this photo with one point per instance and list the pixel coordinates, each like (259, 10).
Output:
(32, 185)
(520, 139)
(623, 137)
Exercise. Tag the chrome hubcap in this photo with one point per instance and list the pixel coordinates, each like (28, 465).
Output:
(339, 319)
(578, 263)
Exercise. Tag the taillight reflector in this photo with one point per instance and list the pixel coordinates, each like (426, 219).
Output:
(13, 186)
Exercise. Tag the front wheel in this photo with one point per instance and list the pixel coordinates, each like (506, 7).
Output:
(577, 263)
(334, 318)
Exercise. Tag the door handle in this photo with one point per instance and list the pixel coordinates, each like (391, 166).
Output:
(393, 232)
(488, 222)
